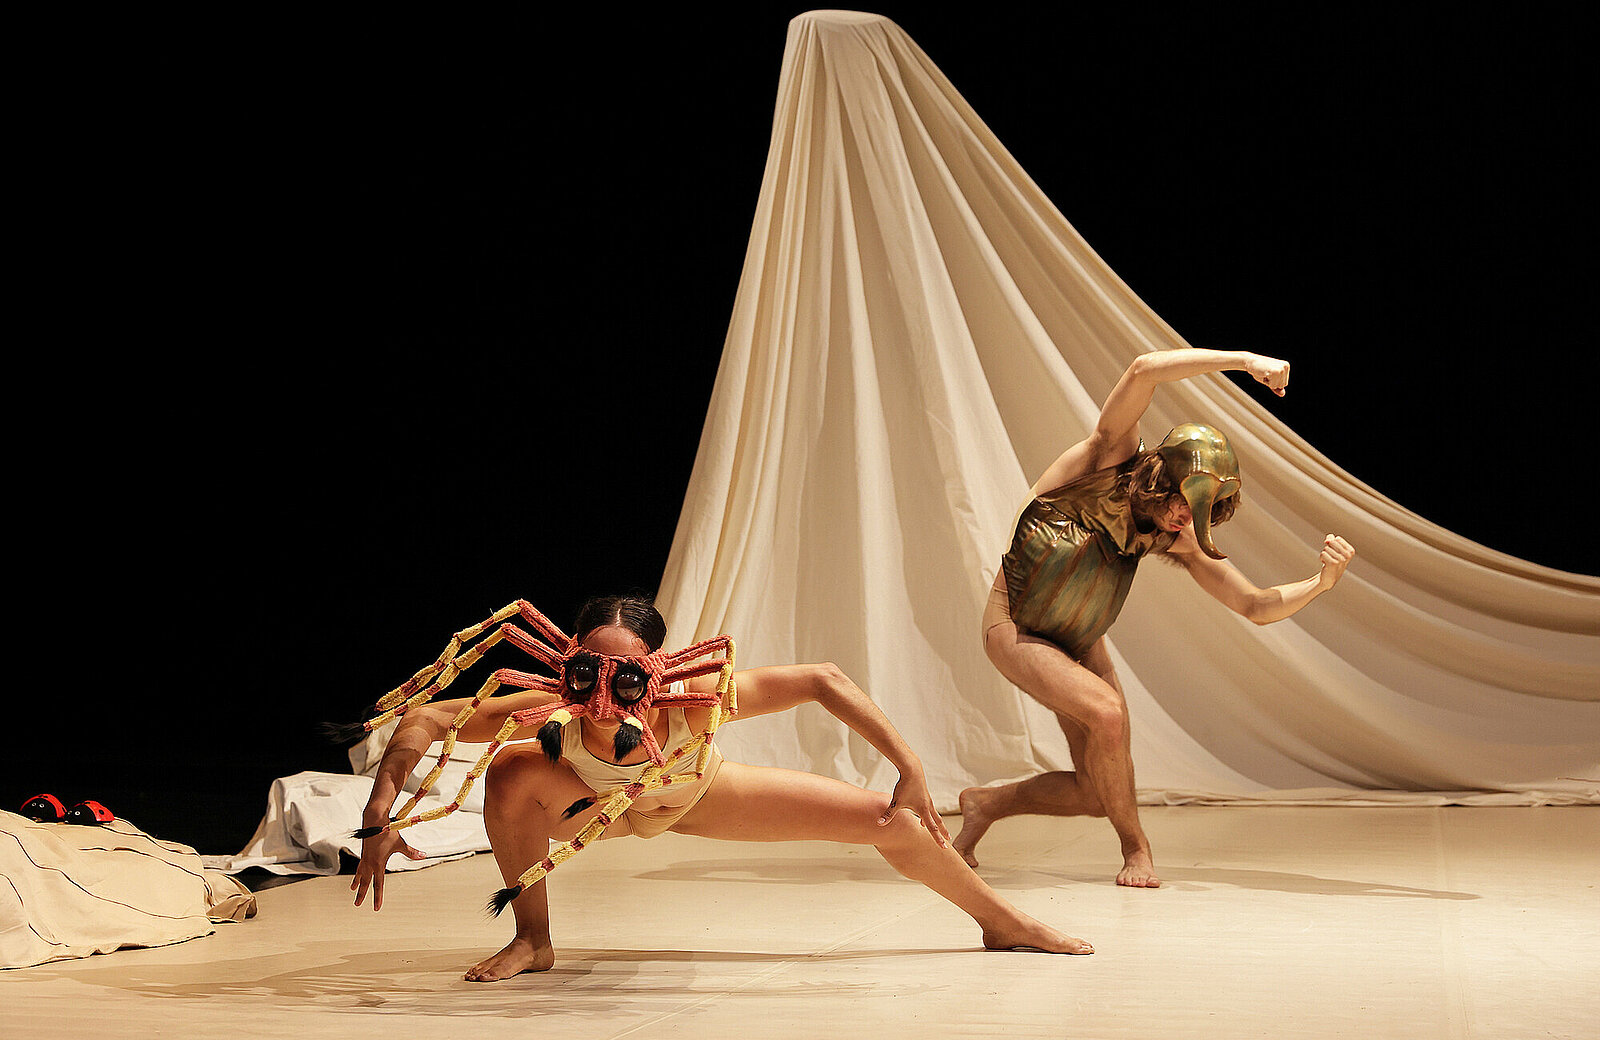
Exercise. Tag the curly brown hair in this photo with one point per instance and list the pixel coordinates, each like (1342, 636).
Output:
(1149, 487)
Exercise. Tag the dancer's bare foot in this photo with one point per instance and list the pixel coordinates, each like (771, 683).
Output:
(1028, 934)
(975, 819)
(519, 955)
(1138, 870)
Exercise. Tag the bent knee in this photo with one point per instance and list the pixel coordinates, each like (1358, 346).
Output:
(904, 828)
(1105, 716)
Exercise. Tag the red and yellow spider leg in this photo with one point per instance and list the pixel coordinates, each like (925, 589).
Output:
(444, 670)
(609, 813)
(519, 680)
(406, 689)
(727, 694)
(514, 721)
(428, 682)
(700, 747)
(458, 665)
(556, 639)
(402, 821)
(615, 806)
(447, 676)
(685, 667)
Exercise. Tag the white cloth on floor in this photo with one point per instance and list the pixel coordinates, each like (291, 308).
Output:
(74, 890)
(310, 816)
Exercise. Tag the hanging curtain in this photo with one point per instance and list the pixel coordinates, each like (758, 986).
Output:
(918, 332)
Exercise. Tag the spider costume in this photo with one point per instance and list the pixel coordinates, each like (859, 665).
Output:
(600, 686)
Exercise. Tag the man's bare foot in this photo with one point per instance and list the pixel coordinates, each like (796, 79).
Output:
(974, 821)
(1028, 934)
(1138, 870)
(519, 955)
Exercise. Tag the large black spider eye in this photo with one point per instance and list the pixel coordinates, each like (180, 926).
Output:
(582, 673)
(629, 683)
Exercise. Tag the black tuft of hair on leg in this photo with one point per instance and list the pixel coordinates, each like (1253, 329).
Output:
(502, 899)
(343, 733)
(628, 738)
(550, 740)
(577, 807)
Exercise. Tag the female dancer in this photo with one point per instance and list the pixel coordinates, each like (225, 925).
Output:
(1097, 510)
(530, 799)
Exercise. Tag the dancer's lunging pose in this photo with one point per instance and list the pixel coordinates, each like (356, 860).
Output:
(1098, 509)
(611, 731)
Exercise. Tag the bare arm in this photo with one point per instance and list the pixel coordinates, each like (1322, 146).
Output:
(421, 727)
(417, 730)
(763, 691)
(1263, 606)
(1116, 433)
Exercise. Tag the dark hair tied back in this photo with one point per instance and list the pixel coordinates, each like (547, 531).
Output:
(634, 613)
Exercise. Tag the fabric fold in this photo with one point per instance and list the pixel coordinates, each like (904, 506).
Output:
(918, 332)
(70, 890)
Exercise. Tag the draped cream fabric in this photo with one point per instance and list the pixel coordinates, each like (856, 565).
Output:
(918, 332)
(75, 891)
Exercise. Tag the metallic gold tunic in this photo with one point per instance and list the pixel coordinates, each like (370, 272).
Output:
(1073, 557)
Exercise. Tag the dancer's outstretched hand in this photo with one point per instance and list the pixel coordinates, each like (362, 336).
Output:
(912, 793)
(375, 853)
(1269, 372)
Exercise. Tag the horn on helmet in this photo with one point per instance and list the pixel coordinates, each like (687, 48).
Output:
(1201, 491)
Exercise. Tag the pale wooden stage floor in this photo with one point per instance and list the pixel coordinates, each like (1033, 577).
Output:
(1274, 922)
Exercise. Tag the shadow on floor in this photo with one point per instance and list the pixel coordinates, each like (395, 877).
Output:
(1201, 878)
(585, 982)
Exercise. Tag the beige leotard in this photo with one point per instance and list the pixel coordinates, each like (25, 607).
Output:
(653, 813)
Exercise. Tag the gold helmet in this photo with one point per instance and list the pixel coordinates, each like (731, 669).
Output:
(1200, 461)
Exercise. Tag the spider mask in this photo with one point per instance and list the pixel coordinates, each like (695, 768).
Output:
(604, 687)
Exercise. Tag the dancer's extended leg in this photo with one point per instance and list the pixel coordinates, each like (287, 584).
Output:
(758, 803)
(1088, 699)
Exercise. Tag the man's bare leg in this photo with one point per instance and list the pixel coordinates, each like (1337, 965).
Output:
(1138, 866)
(522, 812)
(1088, 699)
(1048, 794)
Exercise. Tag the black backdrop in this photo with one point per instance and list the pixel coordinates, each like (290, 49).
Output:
(332, 337)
